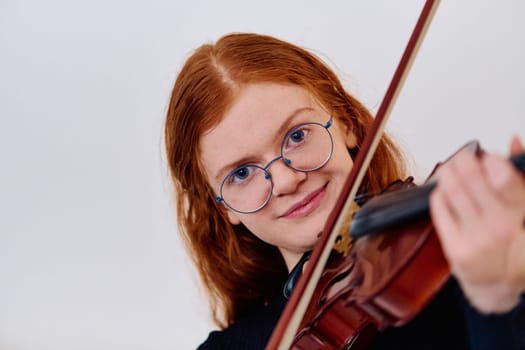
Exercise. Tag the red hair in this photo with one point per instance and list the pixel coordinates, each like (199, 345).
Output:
(239, 270)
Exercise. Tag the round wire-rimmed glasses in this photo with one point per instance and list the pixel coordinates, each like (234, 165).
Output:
(306, 147)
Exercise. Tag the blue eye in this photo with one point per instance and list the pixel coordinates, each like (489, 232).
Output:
(241, 173)
(297, 136)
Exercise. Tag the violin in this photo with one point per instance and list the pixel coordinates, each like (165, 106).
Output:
(350, 290)
(372, 287)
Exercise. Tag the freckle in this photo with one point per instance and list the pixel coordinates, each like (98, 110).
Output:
(319, 234)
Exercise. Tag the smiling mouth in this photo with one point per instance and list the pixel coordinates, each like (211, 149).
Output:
(307, 205)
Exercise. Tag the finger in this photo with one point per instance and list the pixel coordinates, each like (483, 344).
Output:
(466, 187)
(506, 182)
(516, 146)
(444, 219)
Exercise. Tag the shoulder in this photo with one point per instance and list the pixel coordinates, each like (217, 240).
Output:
(250, 332)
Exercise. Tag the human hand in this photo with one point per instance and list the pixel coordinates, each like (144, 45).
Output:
(478, 210)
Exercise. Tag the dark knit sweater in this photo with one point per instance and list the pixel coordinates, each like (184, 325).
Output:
(447, 323)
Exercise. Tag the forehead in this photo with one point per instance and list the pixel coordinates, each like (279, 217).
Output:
(253, 122)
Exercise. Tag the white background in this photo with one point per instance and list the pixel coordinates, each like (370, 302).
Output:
(89, 253)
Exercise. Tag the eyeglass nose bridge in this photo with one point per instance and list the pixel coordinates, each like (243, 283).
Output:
(267, 174)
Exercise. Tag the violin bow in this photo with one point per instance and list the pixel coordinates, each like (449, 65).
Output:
(337, 224)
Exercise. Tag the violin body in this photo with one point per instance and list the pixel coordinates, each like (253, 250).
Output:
(384, 281)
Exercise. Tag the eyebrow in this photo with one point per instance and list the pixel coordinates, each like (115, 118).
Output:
(285, 127)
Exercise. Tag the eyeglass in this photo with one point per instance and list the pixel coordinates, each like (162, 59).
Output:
(306, 147)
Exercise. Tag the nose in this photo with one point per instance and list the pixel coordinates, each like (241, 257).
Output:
(285, 179)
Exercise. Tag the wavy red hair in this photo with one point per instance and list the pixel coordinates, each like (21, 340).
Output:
(238, 270)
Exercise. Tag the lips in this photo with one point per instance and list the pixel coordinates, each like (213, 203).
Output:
(307, 205)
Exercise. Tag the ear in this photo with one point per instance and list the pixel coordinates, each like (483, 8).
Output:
(233, 218)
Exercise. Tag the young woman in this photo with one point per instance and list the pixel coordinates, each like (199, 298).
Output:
(260, 136)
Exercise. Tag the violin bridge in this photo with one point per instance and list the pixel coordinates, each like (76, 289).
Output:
(343, 242)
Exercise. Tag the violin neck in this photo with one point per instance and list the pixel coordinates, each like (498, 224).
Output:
(396, 208)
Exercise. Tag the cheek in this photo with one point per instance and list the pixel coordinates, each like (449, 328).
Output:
(258, 225)
(341, 155)
(343, 161)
